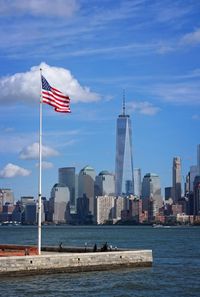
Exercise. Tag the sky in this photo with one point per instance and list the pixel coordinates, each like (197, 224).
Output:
(92, 50)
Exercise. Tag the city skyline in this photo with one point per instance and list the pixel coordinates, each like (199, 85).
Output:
(94, 51)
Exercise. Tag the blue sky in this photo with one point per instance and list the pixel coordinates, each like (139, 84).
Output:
(92, 50)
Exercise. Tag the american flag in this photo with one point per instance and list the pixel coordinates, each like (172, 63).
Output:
(54, 97)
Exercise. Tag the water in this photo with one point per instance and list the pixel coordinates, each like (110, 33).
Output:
(175, 271)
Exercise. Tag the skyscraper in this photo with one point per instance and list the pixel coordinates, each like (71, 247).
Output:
(137, 182)
(104, 209)
(198, 159)
(67, 176)
(6, 196)
(86, 185)
(197, 196)
(124, 181)
(193, 174)
(176, 179)
(151, 194)
(168, 193)
(60, 197)
(104, 184)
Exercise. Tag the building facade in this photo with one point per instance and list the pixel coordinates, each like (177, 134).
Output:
(151, 194)
(86, 181)
(104, 209)
(168, 193)
(104, 184)
(68, 177)
(6, 197)
(137, 182)
(196, 196)
(135, 210)
(121, 204)
(59, 202)
(192, 175)
(198, 159)
(176, 179)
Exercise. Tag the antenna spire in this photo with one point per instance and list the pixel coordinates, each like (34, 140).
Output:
(124, 104)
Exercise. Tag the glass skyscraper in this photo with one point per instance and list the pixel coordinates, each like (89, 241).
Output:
(67, 176)
(176, 179)
(151, 194)
(198, 159)
(124, 159)
(137, 182)
(86, 181)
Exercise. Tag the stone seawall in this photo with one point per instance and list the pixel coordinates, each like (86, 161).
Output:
(73, 262)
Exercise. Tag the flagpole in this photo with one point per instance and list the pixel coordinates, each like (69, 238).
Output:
(40, 176)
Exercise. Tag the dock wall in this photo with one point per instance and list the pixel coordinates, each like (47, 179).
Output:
(73, 262)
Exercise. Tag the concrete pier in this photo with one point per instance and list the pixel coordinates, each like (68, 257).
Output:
(55, 262)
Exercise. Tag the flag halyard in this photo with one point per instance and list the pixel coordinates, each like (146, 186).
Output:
(54, 97)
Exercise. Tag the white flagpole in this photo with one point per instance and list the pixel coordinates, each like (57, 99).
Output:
(40, 176)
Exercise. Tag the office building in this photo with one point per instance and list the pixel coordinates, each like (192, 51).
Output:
(135, 209)
(6, 196)
(121, 204)
(176, 179)
(27, 200)
(198, 159)
(28, 208)
(168, 193)
(17, 213)
(6, 212)
(192, 175)
(83, 215)
(124, 180)
(104, 209)
(68, 177)
(30, 213)
(86, 181)
(59, 203)
(151, 194)
(137, 182)
(187, 185)
(104, 184)
(177, 209)
(196, 196)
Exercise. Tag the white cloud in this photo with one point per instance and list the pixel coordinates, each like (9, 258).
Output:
(196, 117)
(165, 48)
(31, 152)
(61, 8)
(130, 48)
(145, 108)
(25, 87)
(192, 38)
(171, 13)
(11, 170)
(9, 129)
(45, 165)
(14, 142)
(184, 93)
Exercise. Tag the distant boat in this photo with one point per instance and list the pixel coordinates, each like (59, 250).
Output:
(160, 226)
(157, 226)
(10, 223)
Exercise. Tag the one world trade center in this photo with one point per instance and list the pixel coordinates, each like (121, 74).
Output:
(124, 184)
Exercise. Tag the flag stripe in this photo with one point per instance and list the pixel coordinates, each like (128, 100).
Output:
(49, 99)
(56, 93)
(55, 103)
(59, 109)
(54, 97)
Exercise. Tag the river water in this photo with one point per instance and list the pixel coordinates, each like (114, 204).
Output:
(175, 271)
